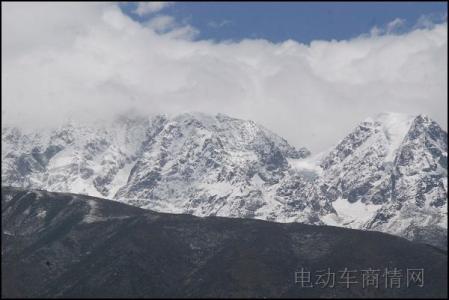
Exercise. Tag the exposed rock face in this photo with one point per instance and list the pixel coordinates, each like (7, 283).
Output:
(192, 163)
(67, 245)
(389, 174)
(396, 166)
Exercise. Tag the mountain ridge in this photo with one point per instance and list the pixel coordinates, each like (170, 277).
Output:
(68, 245)
(390, 169)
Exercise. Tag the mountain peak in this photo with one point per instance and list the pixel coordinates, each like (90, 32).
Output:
(206, 164)
(391, 118)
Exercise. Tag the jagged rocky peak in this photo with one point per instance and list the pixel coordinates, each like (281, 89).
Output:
(390, 170)
(204, 164)
(380, 135)
(236, 132)
(386, 140)
(390, 175)
(359, 168)
(185, 163)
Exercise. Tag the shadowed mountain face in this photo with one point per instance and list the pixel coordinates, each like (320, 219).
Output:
(66, 245)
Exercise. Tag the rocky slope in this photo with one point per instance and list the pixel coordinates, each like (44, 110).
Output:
(389, 174)
(68, 246)
(191, 163)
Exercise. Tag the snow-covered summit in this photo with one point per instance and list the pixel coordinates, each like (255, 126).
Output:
(388, 174)
(193, 162)
(396, 166)
(395, 126)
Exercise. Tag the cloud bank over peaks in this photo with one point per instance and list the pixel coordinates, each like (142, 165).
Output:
(91, 61)
(149, 7)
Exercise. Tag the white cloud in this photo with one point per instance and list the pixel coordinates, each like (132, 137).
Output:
(219, 24)
(163, 24)
(100, 62)
(375, 31)
(150, 7)
(428, 21)
(395, 25)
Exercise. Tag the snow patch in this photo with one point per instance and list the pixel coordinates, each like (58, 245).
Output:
(120, 179)
(6, 232)
(218, 188)
(41, 214)
(8, 197)
(352, 215)
(62, 159)
(257, 181)
(310, 164)
(92, 216)
(395, 127)
(80, 186)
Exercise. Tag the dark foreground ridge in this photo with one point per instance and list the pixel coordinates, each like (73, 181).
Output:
(65, 245)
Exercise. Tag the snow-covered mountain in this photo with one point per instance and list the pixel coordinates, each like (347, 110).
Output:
(191, 163)
(389, 174)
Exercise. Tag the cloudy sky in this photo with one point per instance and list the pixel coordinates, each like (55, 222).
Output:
(309, 72)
